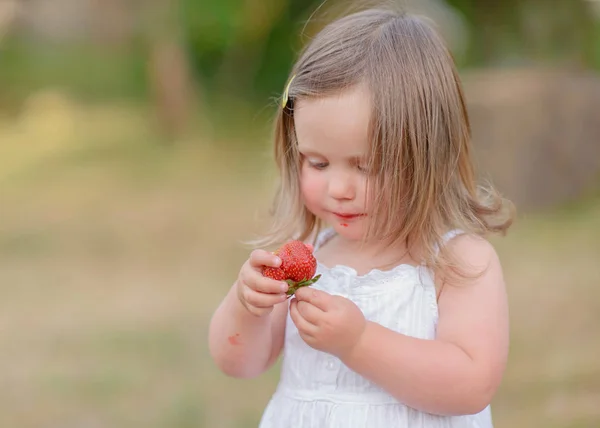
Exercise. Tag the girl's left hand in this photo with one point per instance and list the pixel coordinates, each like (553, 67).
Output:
(328, 323)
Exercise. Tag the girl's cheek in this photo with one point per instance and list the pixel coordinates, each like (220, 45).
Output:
(311, 186)
(366, 196)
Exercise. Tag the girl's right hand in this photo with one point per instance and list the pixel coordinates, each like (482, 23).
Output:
(258, 293)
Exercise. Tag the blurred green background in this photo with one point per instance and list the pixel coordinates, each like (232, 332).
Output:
(135, 156)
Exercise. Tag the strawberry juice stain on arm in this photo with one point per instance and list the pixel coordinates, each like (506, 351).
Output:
(234, 340)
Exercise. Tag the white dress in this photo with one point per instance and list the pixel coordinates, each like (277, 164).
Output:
(316, 390)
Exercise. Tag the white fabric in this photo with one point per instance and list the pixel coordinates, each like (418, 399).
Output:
(316, 390)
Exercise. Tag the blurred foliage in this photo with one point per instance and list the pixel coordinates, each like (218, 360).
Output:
(531, 30)
(92, 74)
(243, 49)
(244, 46)
(247, 46)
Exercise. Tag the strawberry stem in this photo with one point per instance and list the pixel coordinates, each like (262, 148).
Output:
(294, 286)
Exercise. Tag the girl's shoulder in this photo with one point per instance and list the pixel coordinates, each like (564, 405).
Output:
(464, 243)
(473, 253)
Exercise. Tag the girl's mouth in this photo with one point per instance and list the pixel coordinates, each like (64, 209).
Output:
(347, 217)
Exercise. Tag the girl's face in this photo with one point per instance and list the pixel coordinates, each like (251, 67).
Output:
(332, 136)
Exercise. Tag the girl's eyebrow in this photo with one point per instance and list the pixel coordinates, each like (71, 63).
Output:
(310, 153)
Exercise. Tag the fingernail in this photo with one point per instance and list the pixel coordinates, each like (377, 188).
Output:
(277, 260)
(284, 286)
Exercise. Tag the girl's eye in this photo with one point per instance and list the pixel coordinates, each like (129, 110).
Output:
(363, 168)
(318, 165)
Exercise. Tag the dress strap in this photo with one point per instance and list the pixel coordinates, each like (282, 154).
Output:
(450, 235)
(324, 236)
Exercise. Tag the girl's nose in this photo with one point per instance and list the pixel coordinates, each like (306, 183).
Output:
(341, 187)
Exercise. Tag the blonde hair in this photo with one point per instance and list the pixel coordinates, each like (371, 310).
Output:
(419, 134)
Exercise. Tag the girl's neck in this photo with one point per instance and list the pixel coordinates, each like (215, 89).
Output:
(364, 256)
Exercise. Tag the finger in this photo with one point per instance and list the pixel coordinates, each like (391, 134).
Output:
(318, 298)
(310, 312)
(268, 285)
(260, 283)
(252, 309)
(260, 258)
(262, 300)
(302, 324)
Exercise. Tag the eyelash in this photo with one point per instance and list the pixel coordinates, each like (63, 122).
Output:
(322, 165)
(318, 165)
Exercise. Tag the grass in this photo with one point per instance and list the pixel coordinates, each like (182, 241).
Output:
(115, 250)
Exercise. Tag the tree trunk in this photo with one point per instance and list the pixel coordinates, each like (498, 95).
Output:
(171, 86)
(169, 72)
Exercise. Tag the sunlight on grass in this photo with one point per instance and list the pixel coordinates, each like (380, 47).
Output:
(116, 249)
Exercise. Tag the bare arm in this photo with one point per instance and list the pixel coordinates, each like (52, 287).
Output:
(243, 344)
(460, 371)
(247, 330)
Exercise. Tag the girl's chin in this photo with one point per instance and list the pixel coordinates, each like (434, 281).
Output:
(351, 229)
(348, 230)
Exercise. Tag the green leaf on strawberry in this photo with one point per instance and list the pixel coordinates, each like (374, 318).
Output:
(294, 286)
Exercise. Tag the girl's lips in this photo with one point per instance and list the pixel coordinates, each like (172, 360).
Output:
(345, 216)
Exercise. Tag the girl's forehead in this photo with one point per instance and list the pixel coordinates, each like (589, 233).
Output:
(334, 123)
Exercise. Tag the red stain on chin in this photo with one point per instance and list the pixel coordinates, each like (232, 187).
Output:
(344, 224)
(234, 340)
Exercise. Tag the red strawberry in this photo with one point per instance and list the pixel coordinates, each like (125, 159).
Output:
(298, 262)
(275, 273)
(298, 266)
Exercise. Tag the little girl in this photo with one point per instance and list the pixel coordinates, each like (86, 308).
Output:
(408, 324)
